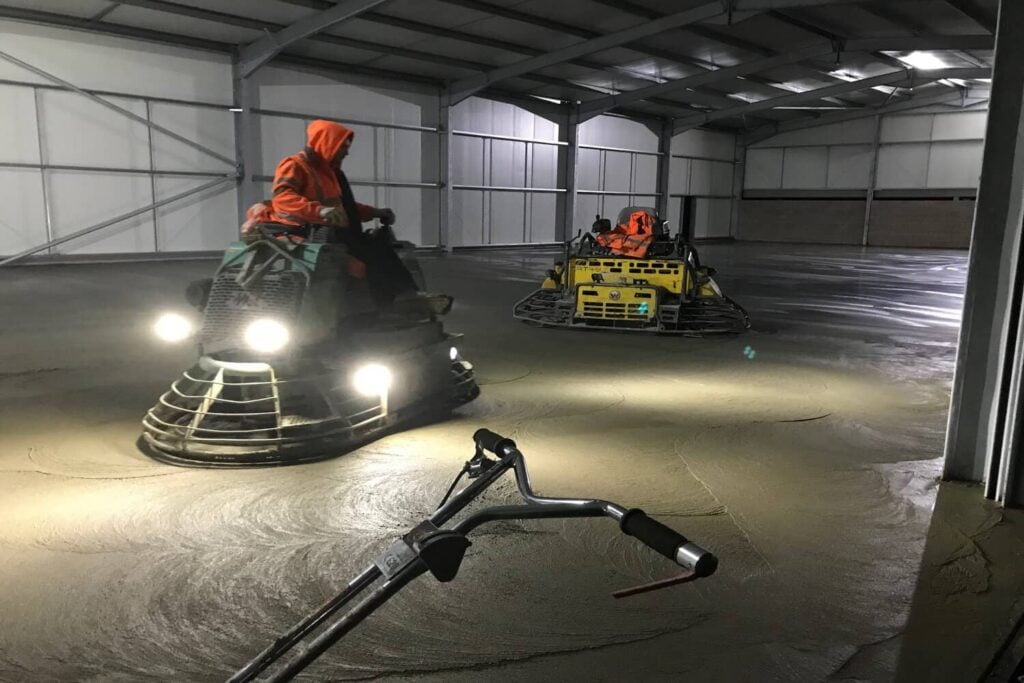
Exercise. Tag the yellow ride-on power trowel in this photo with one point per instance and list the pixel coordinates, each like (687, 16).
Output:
(633, 276)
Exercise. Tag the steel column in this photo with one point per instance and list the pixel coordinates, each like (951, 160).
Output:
(872, 181)
(664, 167)
(248, 150)
(983, 440)
(47, 211)
(446, 204)
(568, 166)
(739, 179)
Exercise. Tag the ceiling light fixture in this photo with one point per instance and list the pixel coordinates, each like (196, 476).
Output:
(925, 61)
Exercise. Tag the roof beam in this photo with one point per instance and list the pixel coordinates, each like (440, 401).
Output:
(761, 134)
(256, 54)
(897, 77)
(203, 14)
(462, 89)
(976, 12)
(331, 67)
(599, 106)
(695, 11)
(33, 16)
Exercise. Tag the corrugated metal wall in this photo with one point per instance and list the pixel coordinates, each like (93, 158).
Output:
(505, 173)
(48, 136)
(66, 163)
(935, 151)
(928, 170)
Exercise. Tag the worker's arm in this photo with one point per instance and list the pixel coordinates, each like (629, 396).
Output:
(288, 203)
(366, 212)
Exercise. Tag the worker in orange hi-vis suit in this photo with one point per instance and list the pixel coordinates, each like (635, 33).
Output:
(311, 192)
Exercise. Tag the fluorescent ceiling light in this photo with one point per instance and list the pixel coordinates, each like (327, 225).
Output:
(925, 61)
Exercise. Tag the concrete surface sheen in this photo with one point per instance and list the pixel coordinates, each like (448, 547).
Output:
(809, 469)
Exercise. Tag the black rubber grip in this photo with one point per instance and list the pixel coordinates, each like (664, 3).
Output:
(667, 542)
(652, 533)
(490, 441)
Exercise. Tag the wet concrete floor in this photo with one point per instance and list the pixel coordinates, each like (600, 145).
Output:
(809, 469)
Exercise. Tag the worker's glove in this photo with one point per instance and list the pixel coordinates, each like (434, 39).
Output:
(386, 216)
(334, 216)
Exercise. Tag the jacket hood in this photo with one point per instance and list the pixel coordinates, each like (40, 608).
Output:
(326, 138)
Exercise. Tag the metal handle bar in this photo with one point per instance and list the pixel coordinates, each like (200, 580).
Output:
(633, 522)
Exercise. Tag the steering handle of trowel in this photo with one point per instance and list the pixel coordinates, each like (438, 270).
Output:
(635, 522)
(305, 646)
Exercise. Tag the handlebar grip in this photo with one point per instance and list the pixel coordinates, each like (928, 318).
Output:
(492, 441)
(668, 542)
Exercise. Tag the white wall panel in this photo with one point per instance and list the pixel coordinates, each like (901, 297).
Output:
(508, 163)
(613, 131)
(618, 171)
(80, 132)
(545, 166)
(468, 160)
(903, 166)
(212, 128)
(207, 221)
(18, 135)
(645, 172)
(805, 167)
(587, 207)
(955, 164)
(508, 218)
(589, 169)
(679, 176)
(712, 217)
(467, 219)
(279, 137)
(23, 220)
(700, 176)
(305, 93)
(850, 167)
(703, 143)
(764, 169)
(80, 199)
(721, 178)
(848, 132)
(543, 216)
(116, 64)
(909, 128)
(960, 126)
(399, 156)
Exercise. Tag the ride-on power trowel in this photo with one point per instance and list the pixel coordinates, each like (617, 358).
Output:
(296, 363)
(633, 276)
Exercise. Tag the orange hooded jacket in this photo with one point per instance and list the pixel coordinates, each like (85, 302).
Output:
(306, 182)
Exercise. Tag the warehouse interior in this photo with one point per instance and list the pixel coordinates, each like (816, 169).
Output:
(850, 169)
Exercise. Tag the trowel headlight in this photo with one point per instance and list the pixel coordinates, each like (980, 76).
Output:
(266, 335)
(172, 327)
(372, 379)
(453, 354)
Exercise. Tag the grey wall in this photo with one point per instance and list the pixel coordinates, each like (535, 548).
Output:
(42, 128)
(928, 162)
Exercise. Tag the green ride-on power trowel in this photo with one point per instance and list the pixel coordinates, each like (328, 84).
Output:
(296, 362)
